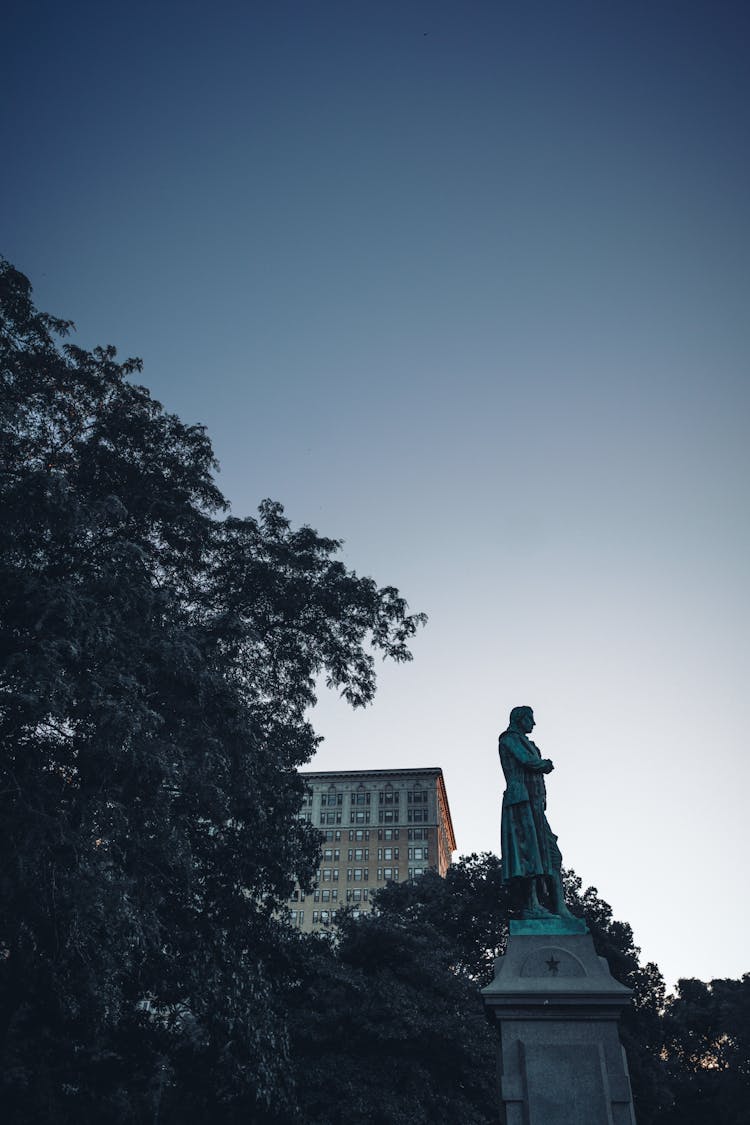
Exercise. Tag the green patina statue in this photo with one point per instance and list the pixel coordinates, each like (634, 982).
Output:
(529, 847)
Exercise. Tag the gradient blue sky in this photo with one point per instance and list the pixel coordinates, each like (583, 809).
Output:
(465, 284)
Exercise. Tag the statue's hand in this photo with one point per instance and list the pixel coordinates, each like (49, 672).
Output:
(547, 765)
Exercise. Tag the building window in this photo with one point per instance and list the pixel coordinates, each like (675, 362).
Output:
(359, 834)
(388, 873)
(388, 816)
(360, 816)
(387, 853)
(417, 795)
(418, 853)
(388, 833)
(417, 815)
(360, 797)
(414, 872)
(358, 854)
(331, 817)
(331, 797)
(388, 796)
(418, 834)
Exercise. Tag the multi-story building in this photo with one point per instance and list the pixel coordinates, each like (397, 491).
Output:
(376, 826)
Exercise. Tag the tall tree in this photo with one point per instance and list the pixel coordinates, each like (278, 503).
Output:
(157, 663)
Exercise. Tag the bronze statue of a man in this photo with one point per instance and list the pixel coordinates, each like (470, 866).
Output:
(529, 846)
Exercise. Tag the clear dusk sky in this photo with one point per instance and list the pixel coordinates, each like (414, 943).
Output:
(465, 284)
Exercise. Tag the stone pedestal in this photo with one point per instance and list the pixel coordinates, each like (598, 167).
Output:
(556, 1006)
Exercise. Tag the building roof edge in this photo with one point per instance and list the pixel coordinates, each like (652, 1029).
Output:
(432, 771)
(371, 773)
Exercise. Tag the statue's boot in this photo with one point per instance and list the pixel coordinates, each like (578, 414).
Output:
(535, 908)
(559, 899)
(537, 911)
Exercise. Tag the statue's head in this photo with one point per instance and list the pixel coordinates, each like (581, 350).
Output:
(522, 718)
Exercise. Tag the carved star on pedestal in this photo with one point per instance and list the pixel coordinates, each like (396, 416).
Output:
(553, 966)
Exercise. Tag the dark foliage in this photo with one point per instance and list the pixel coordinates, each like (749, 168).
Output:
(469, 908)
(384, 1029)
(156, 665)
(707, 1034)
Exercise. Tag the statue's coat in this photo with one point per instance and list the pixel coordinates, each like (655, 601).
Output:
(529, 846)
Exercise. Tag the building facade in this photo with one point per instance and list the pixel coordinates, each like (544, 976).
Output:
(376, 826)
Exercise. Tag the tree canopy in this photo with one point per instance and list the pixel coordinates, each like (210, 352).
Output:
(385, 1029)
(707, 1047)
(158, 660)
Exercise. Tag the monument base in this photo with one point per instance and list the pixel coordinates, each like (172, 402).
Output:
(556, 1007)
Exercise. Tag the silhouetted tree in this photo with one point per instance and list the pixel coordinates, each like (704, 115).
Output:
(469, 908)
(385, 1029)
(157, 663)
(708, 1052)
